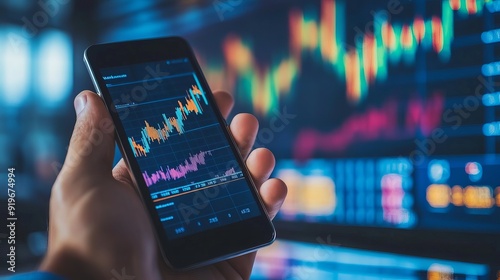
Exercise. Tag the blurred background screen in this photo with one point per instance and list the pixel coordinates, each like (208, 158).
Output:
(383, 116)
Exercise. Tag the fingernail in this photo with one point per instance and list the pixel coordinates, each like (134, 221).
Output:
(80, 102)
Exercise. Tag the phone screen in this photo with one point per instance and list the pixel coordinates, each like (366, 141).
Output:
(184, 157)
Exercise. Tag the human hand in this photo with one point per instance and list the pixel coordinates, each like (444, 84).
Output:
(99, 228)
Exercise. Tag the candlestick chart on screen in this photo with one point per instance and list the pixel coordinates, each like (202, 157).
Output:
(356, 66)
(172, 124)
(370, 84)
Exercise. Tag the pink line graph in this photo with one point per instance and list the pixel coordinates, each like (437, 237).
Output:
(375, 123)
(189, 165)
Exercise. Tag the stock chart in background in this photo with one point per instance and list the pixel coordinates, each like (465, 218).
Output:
(386, 117)
(179, 146)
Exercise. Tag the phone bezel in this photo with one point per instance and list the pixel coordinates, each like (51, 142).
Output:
(201, 248)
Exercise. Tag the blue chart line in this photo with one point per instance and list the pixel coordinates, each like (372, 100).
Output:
(160, 133)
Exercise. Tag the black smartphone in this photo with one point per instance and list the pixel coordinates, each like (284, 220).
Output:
(180, 152)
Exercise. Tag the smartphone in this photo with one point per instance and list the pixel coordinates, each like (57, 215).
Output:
(179, 150)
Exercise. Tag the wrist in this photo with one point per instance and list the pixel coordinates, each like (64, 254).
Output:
(70, 265)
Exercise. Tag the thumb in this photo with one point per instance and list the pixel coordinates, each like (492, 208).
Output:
(91, 147)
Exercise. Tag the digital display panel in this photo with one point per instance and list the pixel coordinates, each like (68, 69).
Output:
(380, 113)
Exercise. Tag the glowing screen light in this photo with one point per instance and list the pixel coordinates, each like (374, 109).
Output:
(55, 67)
(15, 59)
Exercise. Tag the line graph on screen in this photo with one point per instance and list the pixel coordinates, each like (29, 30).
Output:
(420, 117)
(189, 165)
(170, 124)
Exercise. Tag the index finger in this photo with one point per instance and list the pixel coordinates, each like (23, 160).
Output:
(224, 101)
